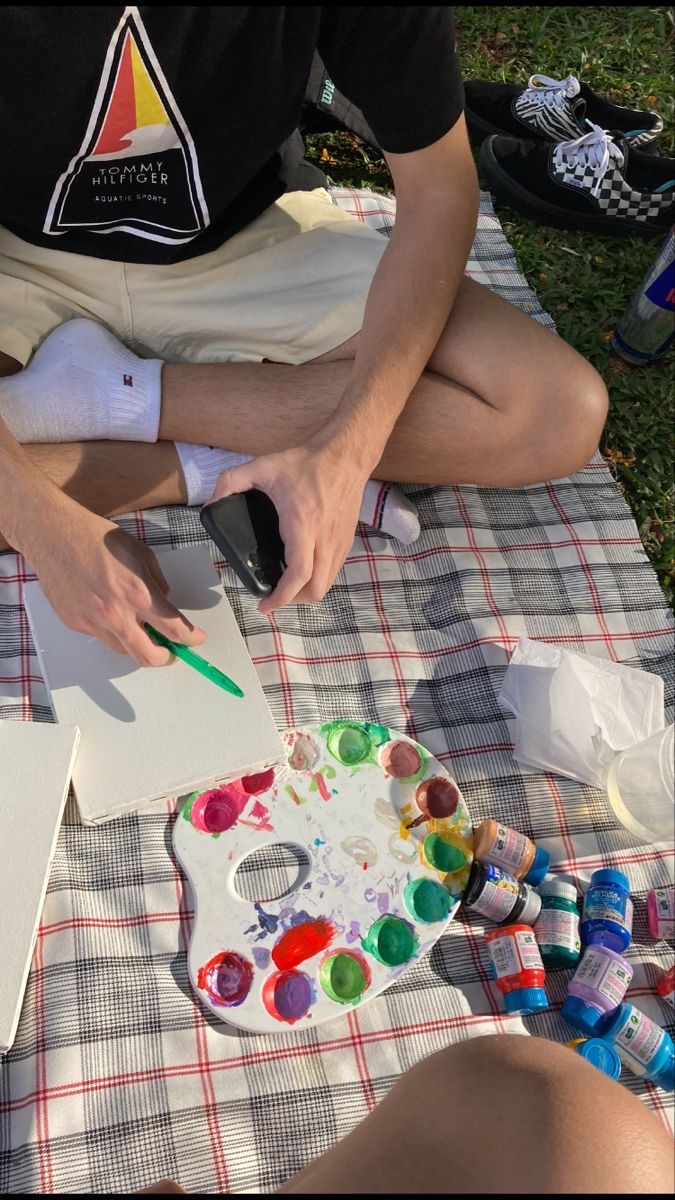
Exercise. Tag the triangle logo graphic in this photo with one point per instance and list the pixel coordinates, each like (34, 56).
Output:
(136, 170)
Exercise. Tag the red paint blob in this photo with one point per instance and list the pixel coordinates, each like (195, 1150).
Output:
(226, 978)
(301, 942)
(216, 810)
(437, 797)
(253, 784)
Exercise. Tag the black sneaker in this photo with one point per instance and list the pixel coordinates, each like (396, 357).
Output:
(593, 183)
(552, 110)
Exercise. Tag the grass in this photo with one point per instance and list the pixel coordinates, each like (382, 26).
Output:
(585, 282)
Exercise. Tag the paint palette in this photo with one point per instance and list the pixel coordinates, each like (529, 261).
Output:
(382, 844)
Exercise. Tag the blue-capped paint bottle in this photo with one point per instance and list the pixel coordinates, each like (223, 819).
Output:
(641, 1044)
(599, 1054)
(607, 918)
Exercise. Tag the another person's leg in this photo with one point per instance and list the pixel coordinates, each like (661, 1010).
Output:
(499, 1115)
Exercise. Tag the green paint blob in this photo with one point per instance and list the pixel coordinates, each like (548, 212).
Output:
(349, 743)
(379, 734)
(427, 901)
(344, 978)
(391, 941)
(443, 855)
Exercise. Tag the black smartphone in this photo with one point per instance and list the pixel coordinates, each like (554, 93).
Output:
(245, 529)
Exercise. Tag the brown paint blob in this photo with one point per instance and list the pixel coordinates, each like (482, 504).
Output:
(401, 760)
(437, 798)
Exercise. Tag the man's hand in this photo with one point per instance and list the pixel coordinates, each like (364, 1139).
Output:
(103, 582)
(317, 491)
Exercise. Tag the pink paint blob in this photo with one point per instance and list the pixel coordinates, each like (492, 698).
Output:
(401, 760)
(217, 809)
(301, 942)
(254, 784)
(226, 978)
(287, 995)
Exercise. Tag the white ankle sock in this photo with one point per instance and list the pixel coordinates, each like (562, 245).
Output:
(82, 384)
(384, 507)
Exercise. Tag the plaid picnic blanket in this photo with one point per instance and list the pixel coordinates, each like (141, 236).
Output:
(118, 1077)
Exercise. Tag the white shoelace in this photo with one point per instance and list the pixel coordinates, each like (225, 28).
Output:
(594, 148)
(552, 92)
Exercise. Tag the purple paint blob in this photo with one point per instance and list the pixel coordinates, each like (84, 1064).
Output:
(287, 995)
(369, 895)
(293, 995)
(354, 933)
(267, 921)
(226, 978)
(261, 957)
(382, 902)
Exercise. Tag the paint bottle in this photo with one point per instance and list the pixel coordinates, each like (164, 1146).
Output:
(517, 968)
(557, 928)
(500, 897)
(510, 850)
(607, 918)
(598, 985)
(599, 1054)
(642, 1045)
(661, 912)
(666, 987)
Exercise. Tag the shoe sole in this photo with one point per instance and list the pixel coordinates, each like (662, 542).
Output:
(546, 213)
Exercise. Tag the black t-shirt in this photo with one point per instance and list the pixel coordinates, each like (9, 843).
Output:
(151, 133)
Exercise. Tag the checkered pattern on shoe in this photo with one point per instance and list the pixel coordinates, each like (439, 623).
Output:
(593, 163)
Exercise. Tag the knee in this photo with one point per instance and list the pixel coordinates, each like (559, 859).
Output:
(579, 413)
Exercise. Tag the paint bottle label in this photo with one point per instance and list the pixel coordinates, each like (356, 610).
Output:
(608, 978)
(504, 956)
(508, 848)
(607, 904)
(664, 902)
(499, 894)
(555, 927)
(638, 1038)
(529, 951)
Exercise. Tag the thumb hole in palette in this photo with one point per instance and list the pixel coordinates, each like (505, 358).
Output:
(271, 872)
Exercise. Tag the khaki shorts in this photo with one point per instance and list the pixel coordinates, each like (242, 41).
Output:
(289, 287)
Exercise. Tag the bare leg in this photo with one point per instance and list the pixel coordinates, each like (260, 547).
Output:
(504, 402)
(497, 1115)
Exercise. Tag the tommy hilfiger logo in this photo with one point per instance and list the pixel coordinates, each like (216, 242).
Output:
(128, 381)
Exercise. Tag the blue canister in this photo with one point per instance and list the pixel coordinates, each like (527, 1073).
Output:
(641, 1044)
(607, 918)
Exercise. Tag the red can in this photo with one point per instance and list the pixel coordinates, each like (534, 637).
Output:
(517, 968)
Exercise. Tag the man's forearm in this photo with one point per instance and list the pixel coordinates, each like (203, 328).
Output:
(26, 495)
(408, 305)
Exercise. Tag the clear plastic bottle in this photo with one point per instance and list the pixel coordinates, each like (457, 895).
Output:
(640, 787)
(646, 328)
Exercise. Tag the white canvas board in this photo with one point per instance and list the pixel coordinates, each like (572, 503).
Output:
(151, 733)
(36, 762)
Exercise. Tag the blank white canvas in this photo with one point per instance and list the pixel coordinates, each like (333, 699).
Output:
(150, 733)
(35, 768)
